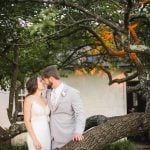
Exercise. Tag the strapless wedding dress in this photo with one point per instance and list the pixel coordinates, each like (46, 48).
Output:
(40, 125)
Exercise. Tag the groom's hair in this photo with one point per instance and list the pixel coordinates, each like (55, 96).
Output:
(51, 71)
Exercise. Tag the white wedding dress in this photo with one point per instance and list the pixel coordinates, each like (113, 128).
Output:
(40, 125)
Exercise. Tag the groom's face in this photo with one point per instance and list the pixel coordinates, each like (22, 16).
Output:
(48, 82)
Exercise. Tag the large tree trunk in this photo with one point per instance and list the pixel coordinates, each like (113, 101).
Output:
(144, 79)
(110, 131)
(13, 86)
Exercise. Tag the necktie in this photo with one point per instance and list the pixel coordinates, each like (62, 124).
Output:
(53, 99)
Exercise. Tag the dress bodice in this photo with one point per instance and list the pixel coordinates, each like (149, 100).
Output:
(40, 125)
(39, 111)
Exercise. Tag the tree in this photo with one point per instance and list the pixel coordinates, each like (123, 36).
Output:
(76, 25)
(14, 57)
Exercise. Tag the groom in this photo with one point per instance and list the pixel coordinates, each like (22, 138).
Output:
(67, 120)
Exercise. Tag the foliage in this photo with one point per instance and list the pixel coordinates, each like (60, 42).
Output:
(121, 145)
(73, 34)
(12, 23)
(15, 147)
(70, 31)
(43, 23)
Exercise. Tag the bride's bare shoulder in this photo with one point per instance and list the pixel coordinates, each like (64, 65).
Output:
(29, 99)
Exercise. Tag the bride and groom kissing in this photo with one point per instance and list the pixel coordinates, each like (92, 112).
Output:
(56, 118)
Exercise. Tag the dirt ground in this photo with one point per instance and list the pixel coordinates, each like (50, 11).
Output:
(142, 145)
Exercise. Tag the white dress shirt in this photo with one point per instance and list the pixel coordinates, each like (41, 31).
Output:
(55, 95)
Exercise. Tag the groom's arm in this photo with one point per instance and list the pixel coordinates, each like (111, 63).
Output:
(79, 116)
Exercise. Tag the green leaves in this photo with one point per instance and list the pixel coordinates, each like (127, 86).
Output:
(44, 22)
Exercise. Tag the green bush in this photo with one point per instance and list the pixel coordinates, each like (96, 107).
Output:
(16, 147)
(120, 145)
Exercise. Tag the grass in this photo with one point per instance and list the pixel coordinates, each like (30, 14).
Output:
(120, 145)
(14, 147)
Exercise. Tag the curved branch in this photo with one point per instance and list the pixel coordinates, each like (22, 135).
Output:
(112, 81)
(107, 72)
(128, 78)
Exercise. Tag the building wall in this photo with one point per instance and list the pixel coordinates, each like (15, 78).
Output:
(4, 96)
(98, 98)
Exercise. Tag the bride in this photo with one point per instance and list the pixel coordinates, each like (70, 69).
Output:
(36, 116)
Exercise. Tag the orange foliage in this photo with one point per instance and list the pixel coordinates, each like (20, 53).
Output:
(144, 1)
(105, 33)
(84, 71)
(133, 32)
(79, 72)
(107, 36)
(133, 56)
(93, 71)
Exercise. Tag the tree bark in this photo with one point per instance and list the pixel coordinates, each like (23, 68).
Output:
(13, 86)
(14, 130)
(110, 131)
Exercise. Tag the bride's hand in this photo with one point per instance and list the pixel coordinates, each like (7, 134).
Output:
(37, 145)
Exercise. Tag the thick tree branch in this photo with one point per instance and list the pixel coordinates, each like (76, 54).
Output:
(134, 88)
(140, 16)
(14, 130)
(110, 131)
(127, 14)
(128, 78)
(107, 72)
(140, 49)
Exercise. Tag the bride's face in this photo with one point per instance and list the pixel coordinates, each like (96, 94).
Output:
(41, 85)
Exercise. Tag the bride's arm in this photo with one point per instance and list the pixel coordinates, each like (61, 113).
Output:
(27, 121)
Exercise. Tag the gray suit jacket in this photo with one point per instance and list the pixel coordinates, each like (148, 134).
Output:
(68, 116)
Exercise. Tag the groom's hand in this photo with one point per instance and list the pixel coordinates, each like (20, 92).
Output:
(78, 137)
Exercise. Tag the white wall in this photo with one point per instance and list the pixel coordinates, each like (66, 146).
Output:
(98, 97)
(4, 96)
